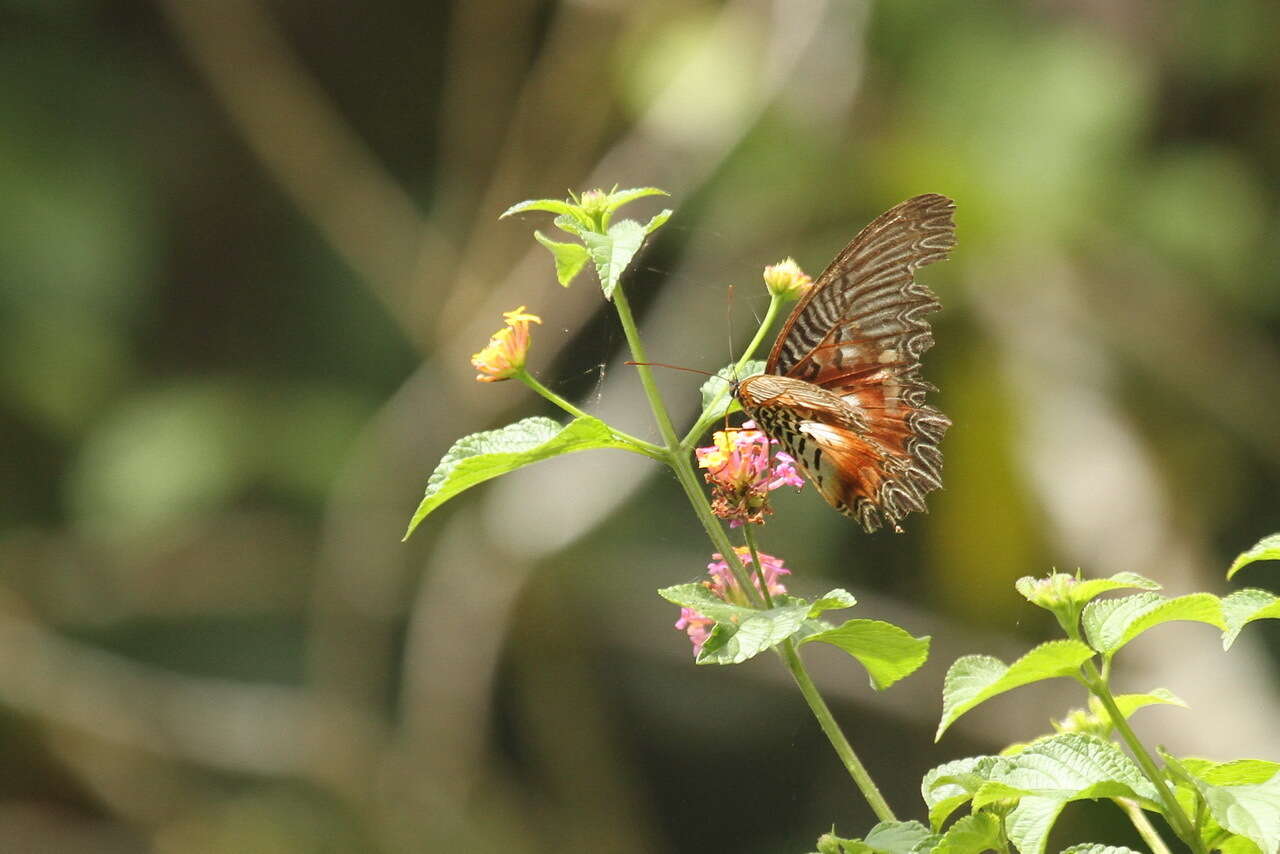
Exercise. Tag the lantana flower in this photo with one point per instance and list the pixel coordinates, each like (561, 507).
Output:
(742, 475)
(504, 356)
(726, 587)
(785, 279)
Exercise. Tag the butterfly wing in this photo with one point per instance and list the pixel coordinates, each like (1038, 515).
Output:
(859, 335)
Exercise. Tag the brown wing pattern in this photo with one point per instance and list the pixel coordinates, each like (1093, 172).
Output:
(842, 390)
(866, 305)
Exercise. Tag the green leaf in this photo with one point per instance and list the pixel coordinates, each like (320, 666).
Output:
(476, 458)
(834, 600)
(618, 198)
(1069, 587)
(974, 679)
(1052, 772)
(947, 787)
(1098, 848)
(612, 252)
(734, 643)
(715, 389)
(1043, 778)
(900, 837)
(888, 652)
(1267, 548)
(657, 220)
(972, 834)
(1243, 607)
(568, 224)
(556, 206)
(1235, 773)
(740, 632)
(1251, 810)
(1130, 703)
(1109, 624)
(570, 257)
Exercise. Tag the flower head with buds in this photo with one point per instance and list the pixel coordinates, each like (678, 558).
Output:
(742, 475)
(505, 353)
(724, 586)
(786, 280)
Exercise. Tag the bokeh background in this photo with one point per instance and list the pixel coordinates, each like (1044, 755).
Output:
(247, 247)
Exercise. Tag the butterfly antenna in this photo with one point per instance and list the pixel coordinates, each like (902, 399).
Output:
(676, 368)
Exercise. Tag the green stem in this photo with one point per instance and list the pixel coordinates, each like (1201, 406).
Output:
(1143, 825)
(641, 446)
(674, 455)
(750, 537)
(834, 734)
(709, 414)
(1178, 819)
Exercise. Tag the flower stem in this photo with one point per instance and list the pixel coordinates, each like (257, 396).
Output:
(675, 455)
(649, 449)
(750, 537)
(1181, 823)
(1143, 825)
(709, 414)
(834, 734)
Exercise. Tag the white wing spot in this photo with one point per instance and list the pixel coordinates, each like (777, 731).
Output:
(888, 356)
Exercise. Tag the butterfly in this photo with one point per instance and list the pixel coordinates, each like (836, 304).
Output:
(842, 390)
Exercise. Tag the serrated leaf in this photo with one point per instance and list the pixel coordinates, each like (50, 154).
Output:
(715, 391)
(975, 679)
(900, 837)
(1098, 848)
(1082, 591)
(481, 456)
(1130, 703)
(1238, 772)
(612, 252)
(735, 642)
(556, 206)
(1055, 771)
(1267, 548)
(972, 834)
(618, 198)
(695, 595)
(570, 225)
(834, 600)
(1243, 607)
(1109, 624)
(888, 652)
(657, 220)
(570, 257)
(950, 785)
(1250, 810)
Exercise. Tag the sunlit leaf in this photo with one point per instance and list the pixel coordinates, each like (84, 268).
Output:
(947, 787)
(734, 643)
(972, 834)
(612, 252)
(1098, 848)
(570, 257)
(974, 679)
(900, 837)
(834, 600)
(1243, 607)
(1251, 810)
(657, 221)
(1130, 703)
(1109, 624)
(888, 652)
(716, 400)
(556, 206)
(481, 456)
(618, 198)
(1080, 591)
(1267, 548)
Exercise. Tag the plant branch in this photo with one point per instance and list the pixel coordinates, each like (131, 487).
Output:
(1142, 824)
(834, 734)
(649, 449)
(1181, 823)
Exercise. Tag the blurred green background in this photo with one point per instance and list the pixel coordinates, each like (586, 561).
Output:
(246, 249)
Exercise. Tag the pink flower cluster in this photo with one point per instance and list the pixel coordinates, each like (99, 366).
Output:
(726, 587)
(742, 475)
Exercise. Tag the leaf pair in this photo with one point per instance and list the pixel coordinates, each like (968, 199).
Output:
(888, 652)
(609, 246)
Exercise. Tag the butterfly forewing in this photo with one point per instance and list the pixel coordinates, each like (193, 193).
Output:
(842, 390)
